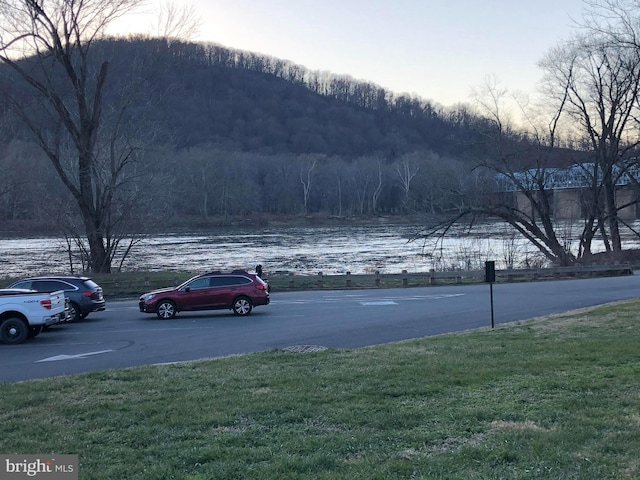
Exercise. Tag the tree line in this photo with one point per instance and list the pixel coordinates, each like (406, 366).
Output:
(207, 183)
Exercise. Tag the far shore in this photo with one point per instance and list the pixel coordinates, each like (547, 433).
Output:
(16, 229)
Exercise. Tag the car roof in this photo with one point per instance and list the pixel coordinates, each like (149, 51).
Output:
(218, 272)
(71, 277)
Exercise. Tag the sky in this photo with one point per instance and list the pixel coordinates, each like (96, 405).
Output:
(439, 50)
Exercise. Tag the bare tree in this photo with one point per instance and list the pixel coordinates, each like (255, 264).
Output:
(338, 173)
(510, 182)
(596, 84)
(58, 87)
(592, 83)
(309, 163)
(199, 169)
(177, 21)
(377, 191)
(359, 177)
(407, 168)
(48, 46)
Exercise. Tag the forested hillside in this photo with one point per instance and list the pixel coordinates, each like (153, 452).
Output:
(252, 102)
(249, 102)
(213, 131)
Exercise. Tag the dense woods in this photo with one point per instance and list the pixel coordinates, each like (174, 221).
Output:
(221, 133)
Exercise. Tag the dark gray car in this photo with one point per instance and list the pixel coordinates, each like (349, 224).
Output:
(85, 295)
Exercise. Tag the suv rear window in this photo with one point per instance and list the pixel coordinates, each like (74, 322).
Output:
(91, 285)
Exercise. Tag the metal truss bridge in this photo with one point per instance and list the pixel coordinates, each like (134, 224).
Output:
(580, 175)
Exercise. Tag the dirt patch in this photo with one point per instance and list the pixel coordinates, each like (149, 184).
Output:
(522, 426)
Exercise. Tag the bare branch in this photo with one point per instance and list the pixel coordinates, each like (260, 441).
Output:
(177, 22)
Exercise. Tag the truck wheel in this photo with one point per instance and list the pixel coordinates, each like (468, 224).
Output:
(14, 331)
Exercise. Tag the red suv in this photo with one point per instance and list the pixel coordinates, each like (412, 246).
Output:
(238, 291)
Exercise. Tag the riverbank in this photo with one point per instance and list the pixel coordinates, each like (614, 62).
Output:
(21, 228)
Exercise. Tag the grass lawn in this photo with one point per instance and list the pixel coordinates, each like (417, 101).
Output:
(553, 398)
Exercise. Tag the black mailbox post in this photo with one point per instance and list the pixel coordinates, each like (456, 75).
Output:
(490, 277)
(490, 271)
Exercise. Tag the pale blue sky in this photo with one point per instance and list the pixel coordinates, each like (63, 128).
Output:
(437, 49)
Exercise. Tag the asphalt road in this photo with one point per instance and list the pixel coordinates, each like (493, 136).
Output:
(121, 336)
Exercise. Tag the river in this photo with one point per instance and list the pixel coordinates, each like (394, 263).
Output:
(302, 250)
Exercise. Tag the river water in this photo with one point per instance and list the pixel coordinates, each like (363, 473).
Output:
(301, 250)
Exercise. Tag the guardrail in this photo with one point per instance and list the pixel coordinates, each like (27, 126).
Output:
(135, 283)
(290, 280)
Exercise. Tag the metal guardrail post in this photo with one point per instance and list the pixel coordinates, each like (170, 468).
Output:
(348, 279)
(377, 280)
(405, 278)
(320, 280)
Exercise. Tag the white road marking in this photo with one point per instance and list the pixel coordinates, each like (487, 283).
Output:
(363, 299)
(382, 302)
(72, 357)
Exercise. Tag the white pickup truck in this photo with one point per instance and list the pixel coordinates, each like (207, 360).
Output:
(24, 313)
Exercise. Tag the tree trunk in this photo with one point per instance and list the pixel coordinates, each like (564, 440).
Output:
(99, 255)
(99, 261)
(612, 216)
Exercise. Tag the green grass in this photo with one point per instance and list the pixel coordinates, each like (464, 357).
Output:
(555, 398)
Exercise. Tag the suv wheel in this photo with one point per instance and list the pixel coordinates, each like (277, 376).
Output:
(242, 306)
(166, 309)
(74, 310)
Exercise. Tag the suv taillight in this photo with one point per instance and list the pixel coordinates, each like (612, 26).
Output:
(46, 303)
(261, 286)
